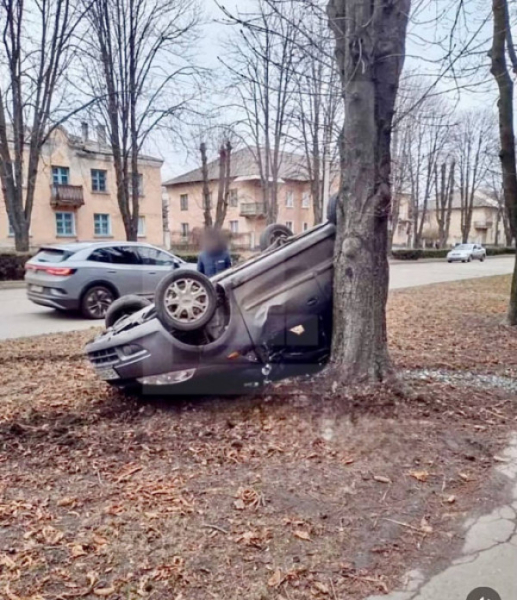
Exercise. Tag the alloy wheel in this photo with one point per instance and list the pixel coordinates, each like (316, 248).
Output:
(186, 301)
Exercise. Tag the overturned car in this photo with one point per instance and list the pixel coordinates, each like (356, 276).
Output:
(266, 319)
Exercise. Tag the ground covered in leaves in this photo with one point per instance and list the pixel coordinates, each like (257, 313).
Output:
(287, 495)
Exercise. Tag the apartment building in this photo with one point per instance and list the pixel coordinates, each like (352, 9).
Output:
(486, 226)
(76, 199)
(245, 218)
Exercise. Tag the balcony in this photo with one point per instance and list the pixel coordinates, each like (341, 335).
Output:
(67, 196)
(253, 209)
(484, 224)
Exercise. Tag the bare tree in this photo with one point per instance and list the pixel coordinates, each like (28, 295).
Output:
(472, 141)
(370, 50)
(444, 190)
(262, 65)
(502, 44)
(223, 186)
(36, 50)
(318, 106)
(139, 55)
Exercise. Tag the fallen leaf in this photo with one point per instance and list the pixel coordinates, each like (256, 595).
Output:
(420, 475)
(348, 461)
(465, 477)
(104, 591)
(66, 501)
(239, 504)
(321, 587)
(451, 499)
(382, 479)
(425, 527)
(501, 459)
(302, 535)
(276, 579)
(78, 550)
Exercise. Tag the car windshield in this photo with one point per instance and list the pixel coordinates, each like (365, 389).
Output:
(52, 255)
(464, 247)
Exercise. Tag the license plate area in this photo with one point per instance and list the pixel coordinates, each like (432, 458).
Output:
(37, 289)
(107, 374)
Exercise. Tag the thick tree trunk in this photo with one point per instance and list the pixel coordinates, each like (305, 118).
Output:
(370, 48)
(207, 209)
(500, 72)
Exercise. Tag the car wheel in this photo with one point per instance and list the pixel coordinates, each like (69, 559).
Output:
(482, 259)
(96, 302)
(185, 300)
(274, 234)
(449, 261)
(332, 209)
(469, 259)
(123, 307)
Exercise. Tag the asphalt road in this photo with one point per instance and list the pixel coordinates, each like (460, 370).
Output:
(21, 318)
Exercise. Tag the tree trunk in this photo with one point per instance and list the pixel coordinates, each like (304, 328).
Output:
(370, 49)
(500, 72)
(224, 184)
(207, 212)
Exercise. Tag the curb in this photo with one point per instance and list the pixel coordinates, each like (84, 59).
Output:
(11, 285)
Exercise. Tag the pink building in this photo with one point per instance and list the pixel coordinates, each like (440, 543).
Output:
(245, 218)
(76, 199)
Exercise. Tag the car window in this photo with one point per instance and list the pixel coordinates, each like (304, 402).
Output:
(152, 256)
(52, 255)
(116, 255)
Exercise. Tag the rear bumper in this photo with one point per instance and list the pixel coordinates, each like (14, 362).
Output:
(52, 301)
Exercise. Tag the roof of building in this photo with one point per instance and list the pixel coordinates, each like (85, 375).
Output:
(482, 199)
(244, 166)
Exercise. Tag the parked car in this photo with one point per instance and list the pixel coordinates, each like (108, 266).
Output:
(262, 320)
(90, 276)
(466, 253)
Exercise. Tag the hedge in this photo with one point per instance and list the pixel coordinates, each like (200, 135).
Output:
(12, 265)
(417, 253)
(192, 258)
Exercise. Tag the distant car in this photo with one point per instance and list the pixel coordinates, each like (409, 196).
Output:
(466, 253)
(89, 276)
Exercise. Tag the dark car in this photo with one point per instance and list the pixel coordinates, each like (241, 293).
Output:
(264, 319)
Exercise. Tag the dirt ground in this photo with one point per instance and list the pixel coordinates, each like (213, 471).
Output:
(286, 495)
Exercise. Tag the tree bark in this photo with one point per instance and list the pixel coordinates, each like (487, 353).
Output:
(223, 192)
(370, 48)
(501, 34)
(207, 209)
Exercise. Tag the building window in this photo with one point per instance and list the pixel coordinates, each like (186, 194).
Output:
(99, 180)
(289, 200)
(184, 230)
(184, 202)
(289, 225)
(305, 226)
(65, 224)
(60, 175)
(306, 200)
(234, 226)
(234, 198)
(141, 226)
(102, 225)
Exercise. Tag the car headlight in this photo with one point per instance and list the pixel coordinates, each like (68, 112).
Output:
(168, 378)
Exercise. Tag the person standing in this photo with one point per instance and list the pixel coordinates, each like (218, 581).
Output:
(215, 256)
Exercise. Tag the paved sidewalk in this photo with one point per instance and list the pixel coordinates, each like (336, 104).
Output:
(488, 557)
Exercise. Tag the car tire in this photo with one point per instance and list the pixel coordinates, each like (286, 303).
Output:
(332, 209)
(482, 259)
(449, 261)
(96, 302)
(273, 234)
(193, 295)
(469, 259)
(123, 307)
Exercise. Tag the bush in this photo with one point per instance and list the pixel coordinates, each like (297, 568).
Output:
(417, 253)
(12, 266)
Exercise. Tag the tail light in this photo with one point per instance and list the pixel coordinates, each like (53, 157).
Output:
(59, 271)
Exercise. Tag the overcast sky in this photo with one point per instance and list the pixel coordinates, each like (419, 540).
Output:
(432, 51)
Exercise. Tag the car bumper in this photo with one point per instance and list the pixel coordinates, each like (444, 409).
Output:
(140, 351)
(50, 299)
(457, 258)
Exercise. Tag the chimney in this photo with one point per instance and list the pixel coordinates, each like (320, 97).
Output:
(101, 134)
(84, 131)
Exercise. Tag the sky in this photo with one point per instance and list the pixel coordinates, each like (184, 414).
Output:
(447, 44)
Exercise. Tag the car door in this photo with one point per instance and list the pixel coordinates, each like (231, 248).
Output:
(119, 265)
(156, 264)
